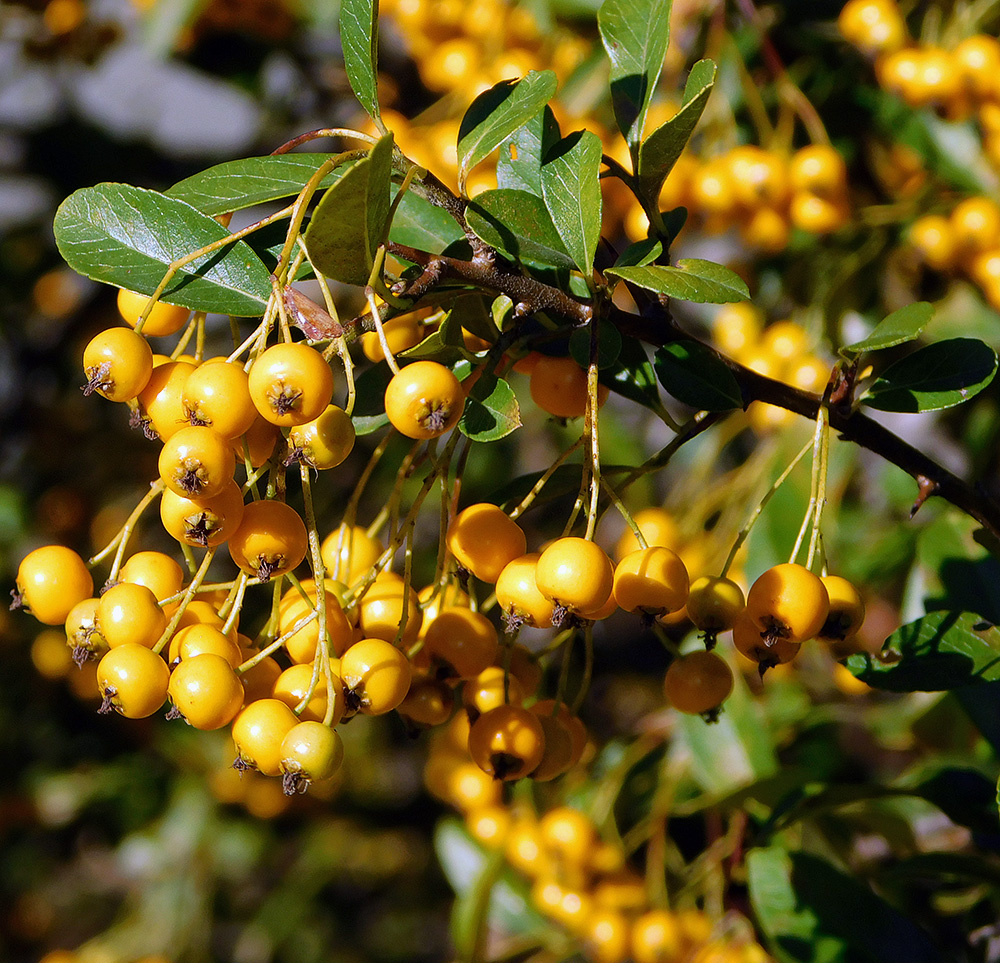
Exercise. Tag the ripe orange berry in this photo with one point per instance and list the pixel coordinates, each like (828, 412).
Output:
(507, 742)
(518, 594)
(424, 400)
(129, 614)
(163, 320)
(653, 580)
(575, 574)
(204, 522)
(118, 364)
(465, 642)
(133, 681)
(376, 677)
(325, 441)
(206, 691)
(559, 386)
(290, 384)
(196, 462)
(50, 581)
(217, 394)
(160, 402)
(258, 732)
(271, 539)
(483, 539)
(788, 602)
(698, 682)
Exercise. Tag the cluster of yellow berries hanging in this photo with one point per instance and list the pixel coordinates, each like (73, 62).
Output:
(579, 880)
(763, 193)
(960, 81)
(966, 242)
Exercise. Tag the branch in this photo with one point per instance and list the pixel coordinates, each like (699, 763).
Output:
(852, 425)
(528, 295)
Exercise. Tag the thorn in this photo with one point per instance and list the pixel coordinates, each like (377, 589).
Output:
(925, 488)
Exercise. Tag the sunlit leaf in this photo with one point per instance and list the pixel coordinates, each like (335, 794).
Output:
(128, 236)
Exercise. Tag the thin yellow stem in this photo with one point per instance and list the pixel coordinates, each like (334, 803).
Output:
(189, 594)
(125, 532)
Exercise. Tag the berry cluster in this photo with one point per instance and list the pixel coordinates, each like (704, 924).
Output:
(967, 242)
(763, 193)
(959, 80)
(579, 880)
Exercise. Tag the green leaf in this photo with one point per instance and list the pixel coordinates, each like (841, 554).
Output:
(571, 187)
(609, 345)
(496, 113)
(418, 223)
(444, 345)
(359, 40)
(519, 165)
(690, 279)
(236, 185)
(941, 375)
(632, 376)
(811, 912)
(697, 376)
(350, 222)
(635, 34)
(640, 253)
(491, 410)
(128, 236)
(942, 650)
(897, 328)
(518, 225)
(369, 403)
(659, 151)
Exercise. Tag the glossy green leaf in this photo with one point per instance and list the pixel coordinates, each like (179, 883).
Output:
(236, 185)
(697, 376)
(811, 912)
(941, 650)
(518, 225)
(609, 345)
(444, 344)
(659, 151)
(496, 113)
(359, 40)
(350, 222)
(635, 34)
(632, 376)
(418, 223)
(940, 375)
(897, 328)
(690, 279)
(640, 253)
(519, 164)
(571, 187)
(369, 404)
(129, 236)
(491, 410)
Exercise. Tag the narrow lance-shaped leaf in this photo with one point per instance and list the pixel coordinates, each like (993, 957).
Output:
(941, 375)
(571, 187)
(236, 185)
(359, 40)
(350, 222)
(635, 34)
(496, 113)
(659, 151)
(690, 279)
(129, 237)
(897, 328)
